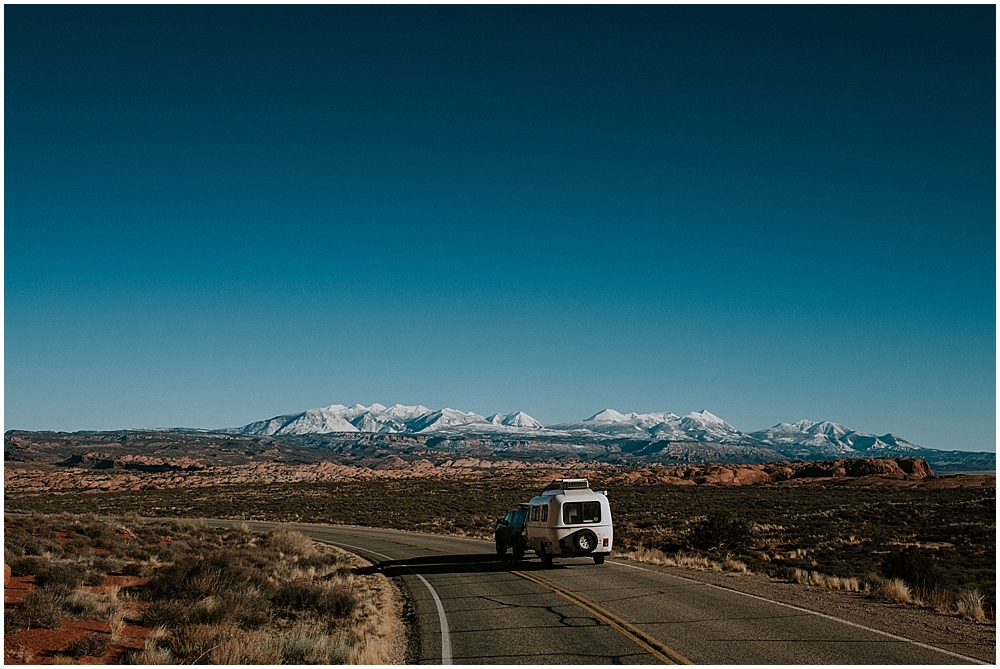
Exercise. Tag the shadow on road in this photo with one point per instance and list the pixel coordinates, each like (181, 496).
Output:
(459, 564)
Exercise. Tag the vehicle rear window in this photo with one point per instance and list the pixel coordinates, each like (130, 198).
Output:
(581, 512)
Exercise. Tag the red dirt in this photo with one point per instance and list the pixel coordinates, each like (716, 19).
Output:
(15, 588)
(41, 646)
(44, 646)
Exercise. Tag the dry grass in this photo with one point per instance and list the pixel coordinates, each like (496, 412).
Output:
(970, 605)
(290, 542)
(894, 590)
(826, 581)
(939, 599)
(684, 560)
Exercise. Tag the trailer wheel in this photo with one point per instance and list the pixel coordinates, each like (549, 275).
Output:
(518, 551)
(599, 558)
(585, 541)
(546, 558)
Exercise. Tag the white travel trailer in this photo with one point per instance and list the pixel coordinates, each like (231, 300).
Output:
(570, 520)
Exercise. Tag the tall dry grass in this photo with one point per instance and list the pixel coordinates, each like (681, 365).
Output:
(815, 578)
(894, 590)
(684, 560)
(970, 605)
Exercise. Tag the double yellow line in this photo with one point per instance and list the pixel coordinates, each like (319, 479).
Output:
(656, 648)
(659, 650)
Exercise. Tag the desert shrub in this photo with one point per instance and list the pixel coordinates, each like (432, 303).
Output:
(216, 574)
(913, 566)
(68, 575)
(172, 551)
(152, 652)
(297, 596)
(133, 569)
(20, 541)
(105, 564)
(28, 565)
(13, 620)
(319, 561)
(184, 526)
(80, 603)
(316, 599)
(721, 531)
(40, 609)
(193, 643)
(94, 645)
(164, 613)
(309, 647)
(290, 542)
(137, 553)
(211, 611)
(249, 609)
(94, 577)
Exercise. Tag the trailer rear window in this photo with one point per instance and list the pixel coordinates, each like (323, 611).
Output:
(581, 512)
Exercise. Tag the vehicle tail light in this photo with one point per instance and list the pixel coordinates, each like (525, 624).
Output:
(605, 542)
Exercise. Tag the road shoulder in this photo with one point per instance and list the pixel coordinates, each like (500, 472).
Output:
(955, 634)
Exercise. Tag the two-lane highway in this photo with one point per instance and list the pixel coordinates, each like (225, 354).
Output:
(473, 607)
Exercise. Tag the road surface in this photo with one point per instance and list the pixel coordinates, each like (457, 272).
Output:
(472, 607)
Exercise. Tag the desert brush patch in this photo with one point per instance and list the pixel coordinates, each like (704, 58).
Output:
(178, 592)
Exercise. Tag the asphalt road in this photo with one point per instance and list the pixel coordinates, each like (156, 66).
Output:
(471, 607)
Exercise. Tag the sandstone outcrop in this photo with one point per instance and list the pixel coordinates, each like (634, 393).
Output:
(134, 472)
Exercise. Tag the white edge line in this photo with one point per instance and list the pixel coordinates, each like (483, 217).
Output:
(815, 613)
(442, 618)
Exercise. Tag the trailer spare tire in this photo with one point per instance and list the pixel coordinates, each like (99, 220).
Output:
(585, 541)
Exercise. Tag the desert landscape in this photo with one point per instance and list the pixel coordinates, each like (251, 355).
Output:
(885, 528)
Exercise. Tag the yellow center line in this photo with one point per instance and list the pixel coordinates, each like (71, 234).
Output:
(656, 648)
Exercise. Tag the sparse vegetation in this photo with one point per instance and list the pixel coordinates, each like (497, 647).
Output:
(940, 542)
(208, 595)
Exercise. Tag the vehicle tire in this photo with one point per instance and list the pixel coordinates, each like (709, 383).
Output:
(518, 551)
(599, 558)
(585, 541)
(501, 548)
(546, 559)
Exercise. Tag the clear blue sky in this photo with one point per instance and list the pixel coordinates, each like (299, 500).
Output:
(214, 215)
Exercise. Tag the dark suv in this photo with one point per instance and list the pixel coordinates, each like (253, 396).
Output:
(510, 532)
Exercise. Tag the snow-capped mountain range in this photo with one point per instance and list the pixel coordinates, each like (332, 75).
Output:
(804, 439)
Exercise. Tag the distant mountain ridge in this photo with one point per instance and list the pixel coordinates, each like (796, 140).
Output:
(662, 437)
(804, 439)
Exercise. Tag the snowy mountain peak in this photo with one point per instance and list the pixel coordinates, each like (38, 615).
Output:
(803, 439)
(607, 416)
(706, 417)
(520, 419)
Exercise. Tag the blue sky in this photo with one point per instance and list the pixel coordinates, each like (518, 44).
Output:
(215, 215)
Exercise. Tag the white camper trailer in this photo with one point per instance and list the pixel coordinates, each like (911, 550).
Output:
(570, 520)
